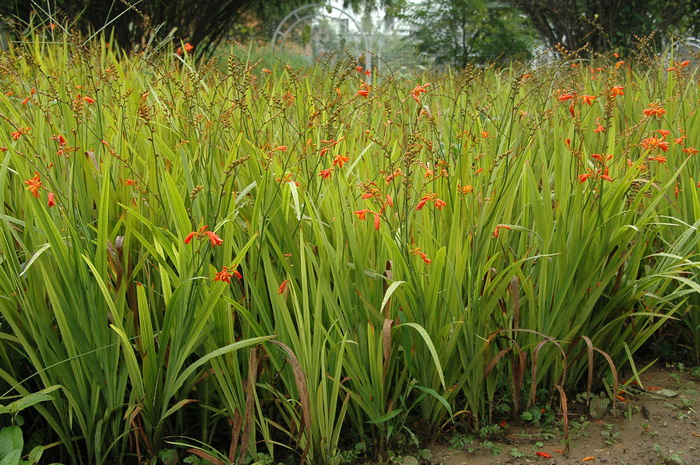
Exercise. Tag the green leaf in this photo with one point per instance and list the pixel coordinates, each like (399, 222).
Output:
(386, 417)
(11, 444)
(429, 343)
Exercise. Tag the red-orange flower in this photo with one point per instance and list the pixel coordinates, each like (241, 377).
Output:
(439, 204)
(325, 174)
(283, 286)
(586, 176)
(651, 143)
(422, 255)
(659, 158)
(465, 189)
(362, 93)
(690, 150)
(654, 110)
(51, 200)
(500, 226)
(415, 93)
(543, 454)
(588, 99)
(605, 175)
(599, 127)
(20, 131)
(213, 238)
(362, 214)
(225, 275)
(202, 233)
(617, 90)
(340, 160)
(34, 184)
(565, 97)
(188, 48)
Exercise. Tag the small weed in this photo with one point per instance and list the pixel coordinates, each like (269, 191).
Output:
(462, 442)
(514, 452)
(668, 458)
(610, 436)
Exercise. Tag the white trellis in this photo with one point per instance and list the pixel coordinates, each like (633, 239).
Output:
(309, 12)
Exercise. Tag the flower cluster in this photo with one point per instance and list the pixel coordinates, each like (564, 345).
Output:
(202, 234)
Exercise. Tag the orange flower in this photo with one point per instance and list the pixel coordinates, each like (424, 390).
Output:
(651, 143)
(325, 174)
(202, 233)
(59, 138)
(679, 140)
(283, 287)
(88, 99)
(659, 158)
(225, 275)
(465, 189)
(340, 160)
(51, 200)
(565, 97)
(415, 93)
(214, 239)
(34, 184)
(585, 177)
(422, 255)
(599, 128)
(617, 90)
(439, 204)
(188, 48)
(588, 99)
(20, 131)
(543, 454)
(425, 199)
(679, 65)
(265, 70)
(362, 93)
(130, 182)
(690, 150)
(500, 226)
(664, 132)
(618, 64)
(362, 214)
(654, 110)
(377, 221)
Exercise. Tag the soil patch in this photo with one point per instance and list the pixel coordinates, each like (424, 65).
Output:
(657, 425)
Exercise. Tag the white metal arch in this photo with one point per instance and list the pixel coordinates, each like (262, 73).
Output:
(307, 12)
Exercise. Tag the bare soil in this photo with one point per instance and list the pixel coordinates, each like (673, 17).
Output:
(659, 425)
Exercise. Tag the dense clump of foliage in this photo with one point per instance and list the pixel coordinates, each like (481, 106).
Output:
(285, 261)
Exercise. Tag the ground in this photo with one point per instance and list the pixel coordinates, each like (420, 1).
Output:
(660, 425)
